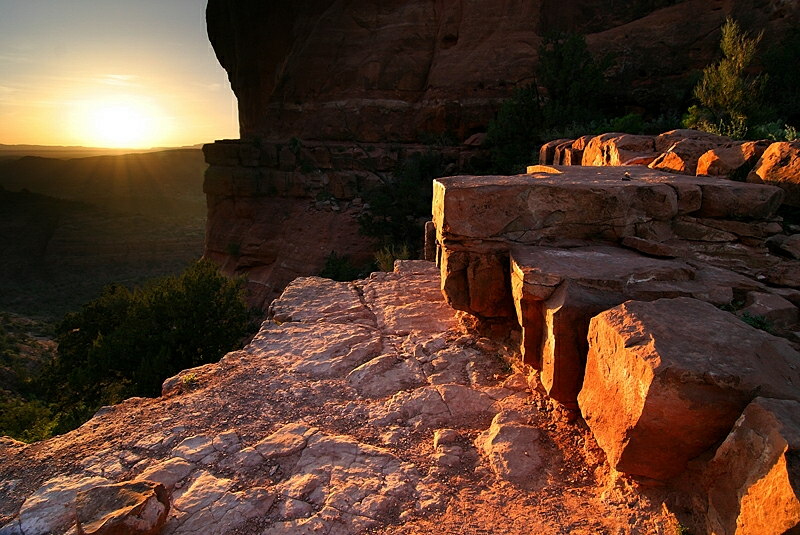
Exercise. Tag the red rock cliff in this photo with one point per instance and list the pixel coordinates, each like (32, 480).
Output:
(388, 71)
(333, 94)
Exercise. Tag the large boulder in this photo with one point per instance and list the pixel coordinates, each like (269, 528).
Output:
(666, 380)
(730, 160)
(664, 142)
(780, 166)
(616, 148)
(682, 156)
(557, 291)
(754, 477)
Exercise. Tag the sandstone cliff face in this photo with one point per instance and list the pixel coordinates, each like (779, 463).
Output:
(388, 71)
(333, 94)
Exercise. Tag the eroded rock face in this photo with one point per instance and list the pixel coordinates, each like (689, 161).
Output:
(657, 394)
(478, 219)
(753, 479)
(329, 69)
(333, 95)
(615, 149)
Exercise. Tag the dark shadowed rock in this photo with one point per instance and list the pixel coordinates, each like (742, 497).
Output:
(392, 70)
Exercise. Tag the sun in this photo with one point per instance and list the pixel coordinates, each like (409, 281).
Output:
(123, 122)
(119, 125)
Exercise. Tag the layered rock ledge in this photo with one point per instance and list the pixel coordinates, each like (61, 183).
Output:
(276, 211)
(480, 219)
(638, 294)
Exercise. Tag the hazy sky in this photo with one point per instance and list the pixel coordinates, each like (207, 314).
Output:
(110, 73)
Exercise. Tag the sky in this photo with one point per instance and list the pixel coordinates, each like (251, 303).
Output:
(111, 73)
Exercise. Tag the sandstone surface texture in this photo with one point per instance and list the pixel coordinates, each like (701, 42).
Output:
(666, 380)
(277, 438)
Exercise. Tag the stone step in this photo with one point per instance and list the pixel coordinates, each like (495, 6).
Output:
(557, 291)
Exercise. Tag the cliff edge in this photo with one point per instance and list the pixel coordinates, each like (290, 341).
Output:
(359, 407)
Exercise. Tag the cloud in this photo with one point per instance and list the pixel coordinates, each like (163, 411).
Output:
(119, 79)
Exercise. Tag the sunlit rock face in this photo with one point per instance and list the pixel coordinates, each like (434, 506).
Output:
(389, 71)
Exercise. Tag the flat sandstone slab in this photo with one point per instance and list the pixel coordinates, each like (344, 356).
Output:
(587, 202)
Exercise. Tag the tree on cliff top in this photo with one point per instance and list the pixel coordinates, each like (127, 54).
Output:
(729, 95)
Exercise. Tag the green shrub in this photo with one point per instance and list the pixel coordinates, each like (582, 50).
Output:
(774, 131)
(341, 268)
(573, 80)
(783, 83)
(27, 421)
(515, 134)
(399, 207)
(759, 322)
(126, 342)
(728, 95)
(385, 257)
(575, 92)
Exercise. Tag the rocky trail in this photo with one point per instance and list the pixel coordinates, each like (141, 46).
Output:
(365, 407)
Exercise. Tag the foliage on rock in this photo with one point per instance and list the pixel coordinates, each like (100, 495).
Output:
(126, 342)
(574, 87)
(400, 205)
(341, 268)
(729, 95)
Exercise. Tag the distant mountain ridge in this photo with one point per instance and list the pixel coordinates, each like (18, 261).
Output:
(76, 151)
(153, 183)
(70, 226)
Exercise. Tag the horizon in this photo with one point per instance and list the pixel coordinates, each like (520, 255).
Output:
(112, 75)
